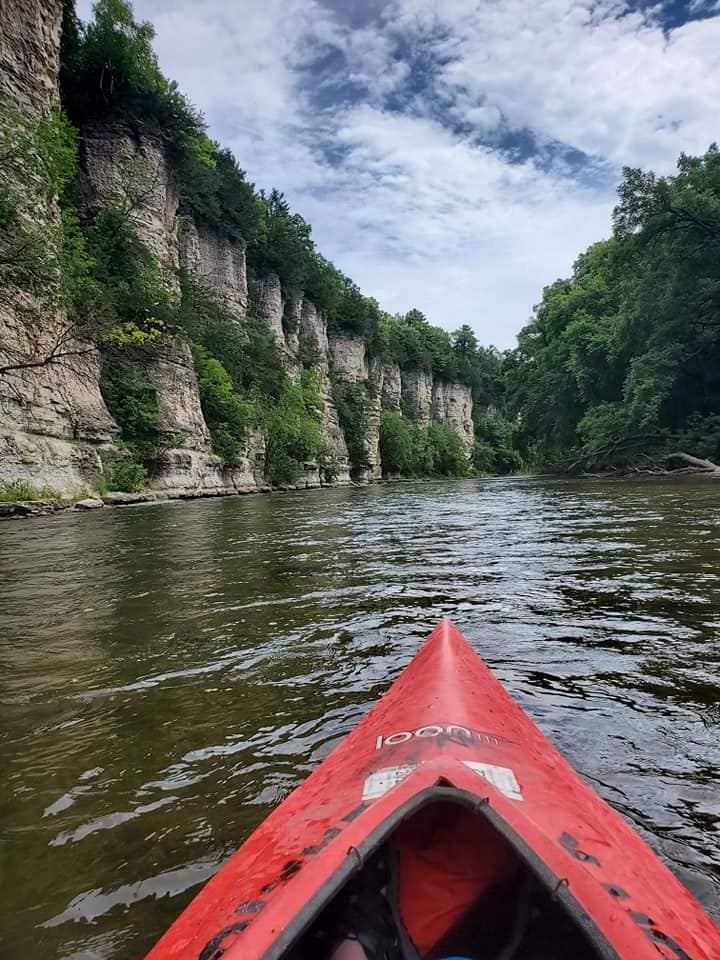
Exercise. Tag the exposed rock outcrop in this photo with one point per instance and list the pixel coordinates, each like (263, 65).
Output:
(373, 412)
(351, 362)
(417, 388)
(314, 340)
(52, 415)
(216, 262)
(349, 358)
(247, 475)
(452, 404)
(128, 169)
(180, 416)
(29, 53)
(272, 311)
(391, 390)
(271, 306)
(187, 462)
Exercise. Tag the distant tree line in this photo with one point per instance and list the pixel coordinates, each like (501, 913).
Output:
(620, 365)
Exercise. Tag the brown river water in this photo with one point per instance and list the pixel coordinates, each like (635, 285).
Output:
(168, 673)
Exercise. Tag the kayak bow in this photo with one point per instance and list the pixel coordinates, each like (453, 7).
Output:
(446, 733)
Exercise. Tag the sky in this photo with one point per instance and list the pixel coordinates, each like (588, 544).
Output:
(451, 155)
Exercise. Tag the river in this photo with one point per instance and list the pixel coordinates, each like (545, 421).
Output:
(170, 672)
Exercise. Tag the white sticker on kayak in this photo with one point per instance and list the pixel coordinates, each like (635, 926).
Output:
(378, 783)
(503, 778)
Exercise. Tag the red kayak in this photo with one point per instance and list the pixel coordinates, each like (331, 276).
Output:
(445, 824)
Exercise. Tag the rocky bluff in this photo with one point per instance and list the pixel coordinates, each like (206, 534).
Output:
(55, 428)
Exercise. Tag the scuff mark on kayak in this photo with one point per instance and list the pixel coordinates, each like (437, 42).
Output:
(355, 812)
(290, 869)
(213, 949)
(615, 891)
(571, 845)
(251, 906)
(655, 935)
(329, 835)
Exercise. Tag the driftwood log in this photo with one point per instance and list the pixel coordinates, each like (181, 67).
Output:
(693, 466)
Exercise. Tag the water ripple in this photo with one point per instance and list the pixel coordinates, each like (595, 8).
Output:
(167, 675)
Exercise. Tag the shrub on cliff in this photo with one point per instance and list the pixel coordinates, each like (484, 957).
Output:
(227, 415)
(292, 430)
(396, 446)
(109, 69)
(413, 451)
(136, 302)
(125, 475)
(248, 350)
(351, 403)
(133, 403)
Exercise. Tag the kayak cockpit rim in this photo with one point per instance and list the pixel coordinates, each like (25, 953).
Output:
(358, 855)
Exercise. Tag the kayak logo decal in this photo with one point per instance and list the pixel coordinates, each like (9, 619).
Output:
(502, 778)
(454, 732)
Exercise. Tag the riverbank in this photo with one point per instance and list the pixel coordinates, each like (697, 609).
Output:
(44, 507)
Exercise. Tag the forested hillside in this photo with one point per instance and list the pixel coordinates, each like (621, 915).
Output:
(133, 283)
(620, 366)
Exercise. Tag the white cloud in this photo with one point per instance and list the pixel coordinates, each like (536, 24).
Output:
(419, 213)
(612, 86)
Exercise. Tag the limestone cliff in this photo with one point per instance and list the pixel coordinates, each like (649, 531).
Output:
(53, 419)
(425, 398)
(29, 53)
(52, 415)
(391, 389)
(452, 404)
(128, 169)
(416, 396)
(215, 261)
(314, 340)
(272, 310)
(353, 364)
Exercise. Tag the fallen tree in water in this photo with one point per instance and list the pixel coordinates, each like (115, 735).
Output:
(694, 464)
(697, 466)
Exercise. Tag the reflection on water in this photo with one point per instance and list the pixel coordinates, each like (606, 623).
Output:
(168, 673)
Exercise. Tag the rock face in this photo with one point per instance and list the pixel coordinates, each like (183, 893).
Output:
(314, 340)
(53, 420)
(247, 475)
(452, 404)
(271, 306)
(52, 416)
(126, 168)
(391, 390)
(29, 53)
(180, 416)
(272, 310)
(187, 463)
(416, 398)
(352, 363)
(216, 262)
(349, 358)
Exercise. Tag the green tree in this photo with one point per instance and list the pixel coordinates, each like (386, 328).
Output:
(226, 413)
(396, 446)
(351, 401)
(292, 431)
